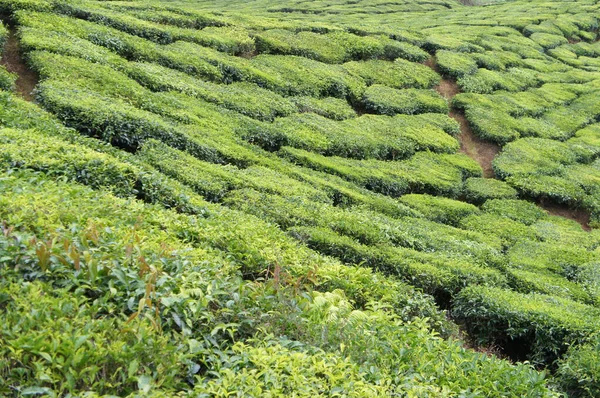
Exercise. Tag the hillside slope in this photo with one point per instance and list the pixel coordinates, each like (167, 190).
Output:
(291, 198)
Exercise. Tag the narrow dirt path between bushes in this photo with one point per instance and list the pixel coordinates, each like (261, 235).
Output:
(579, 215)
(480, 151)
(484, 152)
(12, 60)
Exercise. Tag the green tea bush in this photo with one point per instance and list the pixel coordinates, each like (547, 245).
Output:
(223, 38)
(442, 279)
(455, 64)
(412, 176)
(53, 341)
(519, 210)
(438, 209)
(508, 230)
(335, 47)
(7, 79)
(540, 327)
(239, 96)
(547, 283)
(389, 101)
(39, 39)
(304, 77)
(480, 190)
(365, 137)
(486, 81)
(549, 256)
(112, 120)
(548, 40)
(578, 372)
(329, 107)
(397, 74)
(498, 60)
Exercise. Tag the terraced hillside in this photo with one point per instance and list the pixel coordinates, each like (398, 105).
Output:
(300, 198)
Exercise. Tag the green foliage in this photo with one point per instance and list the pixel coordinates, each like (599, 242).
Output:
(541, 326)
(365, 137)
(397, 74)
(423, 173)
(388, 101)
(7, 79)
(240, 97)
(578, 372)
(486, 81)
(455, 64)
(519, 210)
(480, 190)
(335, 47)
(329, 107)
(438, 209)
(262, 235)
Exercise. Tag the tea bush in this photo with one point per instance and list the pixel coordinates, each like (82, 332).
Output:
(541, 326)
(388, 101)
(277, 204)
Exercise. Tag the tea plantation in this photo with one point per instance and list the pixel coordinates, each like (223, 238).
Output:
(300, 198)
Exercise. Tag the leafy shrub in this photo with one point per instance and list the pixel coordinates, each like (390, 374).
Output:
(329, 107)
(388, 101)
(246, 98)
(455, 64)
(578, 371)
(442, 210)
(519, 210)
(335, 47)
(440, 278)
(540, 327)
(397, 178)
(397, 74)
(479, 190)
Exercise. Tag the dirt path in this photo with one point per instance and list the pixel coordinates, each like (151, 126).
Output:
(579, 215)
(11, 59)
(484, 152)
(474, 147)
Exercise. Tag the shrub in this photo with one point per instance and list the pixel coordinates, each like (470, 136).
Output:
(538, 327)
(412, 176)
(365, 137)
(440, 278)
(397, 74)
(246, 98)
(548, 40)
(548, 283)
(519, 210)
(329, 107)
(389, 101)
(579, 371)
(455, 64)
(438, 209)
(479, 190)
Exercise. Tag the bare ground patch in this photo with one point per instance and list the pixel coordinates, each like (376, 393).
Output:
(484, 152)
(12, 60)
(474, 147)
(579, 215)
(481, 151)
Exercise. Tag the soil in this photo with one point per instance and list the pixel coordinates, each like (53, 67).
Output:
(579, 215)
(12, 60)
(484, 152)
(471, 145)
(474, 147)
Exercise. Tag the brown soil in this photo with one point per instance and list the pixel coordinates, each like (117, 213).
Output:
(474, 147)
(11, 59)
(484, 152)
(579, 215)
